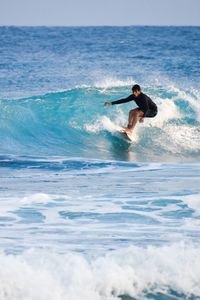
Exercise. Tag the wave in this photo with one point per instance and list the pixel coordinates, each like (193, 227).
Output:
(167, 272)
(75, 123)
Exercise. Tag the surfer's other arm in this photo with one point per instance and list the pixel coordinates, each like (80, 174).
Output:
(124, 100)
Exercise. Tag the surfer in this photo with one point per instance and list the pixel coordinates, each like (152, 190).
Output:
(146, 108)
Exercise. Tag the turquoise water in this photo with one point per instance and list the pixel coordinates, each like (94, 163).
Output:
(75, 123)
(82, 210)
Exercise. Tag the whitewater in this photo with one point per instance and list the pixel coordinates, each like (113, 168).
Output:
(85, 214)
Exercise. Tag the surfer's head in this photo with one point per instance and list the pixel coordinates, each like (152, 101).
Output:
(136, 90)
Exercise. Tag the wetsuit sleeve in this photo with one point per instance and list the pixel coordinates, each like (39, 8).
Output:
(124, 100)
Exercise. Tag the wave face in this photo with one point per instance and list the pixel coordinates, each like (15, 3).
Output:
(75, 123)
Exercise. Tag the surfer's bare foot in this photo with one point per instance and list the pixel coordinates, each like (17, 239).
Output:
(129, 131)
(124, 129)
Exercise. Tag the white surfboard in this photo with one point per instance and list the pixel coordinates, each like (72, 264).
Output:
(127, 136)
(118, 130)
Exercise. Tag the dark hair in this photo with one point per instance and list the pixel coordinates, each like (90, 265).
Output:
(136, 87)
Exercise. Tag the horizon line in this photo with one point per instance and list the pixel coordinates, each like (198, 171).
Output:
(133, 25)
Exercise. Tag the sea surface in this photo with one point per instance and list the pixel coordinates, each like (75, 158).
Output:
(85, 214)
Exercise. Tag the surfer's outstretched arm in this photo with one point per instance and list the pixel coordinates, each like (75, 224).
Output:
(120, 101)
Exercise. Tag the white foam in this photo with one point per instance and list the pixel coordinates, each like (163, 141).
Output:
(109, 125)
(176, 137)
(167, 111)
(110, 82)
(102, 123)
(42, 275)
(183, 137)
(105, 123)
(36, 198)
(193, 201)
(192, 100)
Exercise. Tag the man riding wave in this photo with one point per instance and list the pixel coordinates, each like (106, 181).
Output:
(146, 108)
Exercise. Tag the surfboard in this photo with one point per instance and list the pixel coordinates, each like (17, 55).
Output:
(125, 135)
(118, 130)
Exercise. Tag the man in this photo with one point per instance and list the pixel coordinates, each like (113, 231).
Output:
(146, 108)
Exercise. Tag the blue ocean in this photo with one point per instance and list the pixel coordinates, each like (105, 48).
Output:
(84, 213)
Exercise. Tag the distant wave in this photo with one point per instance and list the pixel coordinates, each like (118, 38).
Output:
(75, 123)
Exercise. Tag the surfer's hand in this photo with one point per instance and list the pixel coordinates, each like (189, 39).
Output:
(107, 103)
(141, 120)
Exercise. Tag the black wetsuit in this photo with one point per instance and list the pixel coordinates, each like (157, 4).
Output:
(145, 104)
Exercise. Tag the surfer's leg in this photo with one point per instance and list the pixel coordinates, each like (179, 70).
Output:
(134, 115)
(132, 112)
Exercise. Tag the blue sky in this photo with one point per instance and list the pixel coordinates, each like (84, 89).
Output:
(99, 12)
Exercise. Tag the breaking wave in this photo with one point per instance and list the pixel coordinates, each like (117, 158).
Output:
(75, 123)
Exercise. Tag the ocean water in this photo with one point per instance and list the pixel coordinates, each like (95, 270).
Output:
(84, 214)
